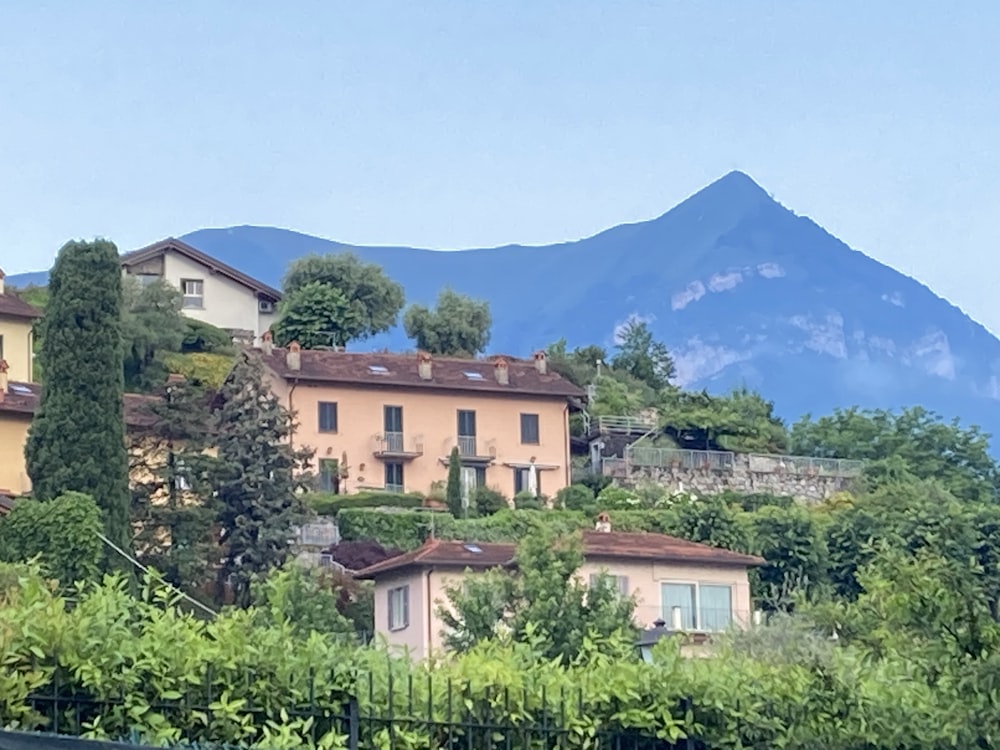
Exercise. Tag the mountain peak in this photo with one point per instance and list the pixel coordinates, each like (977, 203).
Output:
(734, 185)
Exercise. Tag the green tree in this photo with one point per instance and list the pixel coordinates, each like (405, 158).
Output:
(333, 299)
(642, 356)
(739, 421)
(488, 501)
(928, 447)
(792, 542)
(543, 602)
(151, 324)
(453, 489)
(458, 325)
(304, 597)
(64, 533)
(173, 512)
(255, 477)
(77, 438)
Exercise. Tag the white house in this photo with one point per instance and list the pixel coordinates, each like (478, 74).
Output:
(214, 292)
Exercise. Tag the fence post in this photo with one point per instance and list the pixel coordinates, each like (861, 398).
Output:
(686, 707)
(353, 724)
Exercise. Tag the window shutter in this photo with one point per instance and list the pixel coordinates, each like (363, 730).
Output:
(623, 585)
(392, 609)
(406, 606)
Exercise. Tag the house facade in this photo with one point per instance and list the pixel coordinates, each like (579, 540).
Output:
(17, 319)
(390, 421)
(213, 292)
(692, 587)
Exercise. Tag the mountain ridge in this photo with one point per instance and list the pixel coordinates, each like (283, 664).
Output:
(742, 289)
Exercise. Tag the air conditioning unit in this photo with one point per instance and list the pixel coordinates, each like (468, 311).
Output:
(265, 306)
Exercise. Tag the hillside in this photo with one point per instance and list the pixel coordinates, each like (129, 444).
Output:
(741, 289)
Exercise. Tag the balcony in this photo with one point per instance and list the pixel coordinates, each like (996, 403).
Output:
(472, 451)
(394, 445)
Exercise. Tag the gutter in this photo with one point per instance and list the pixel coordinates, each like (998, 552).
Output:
(430, 611)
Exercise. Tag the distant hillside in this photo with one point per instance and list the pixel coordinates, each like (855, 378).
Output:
(741, 289)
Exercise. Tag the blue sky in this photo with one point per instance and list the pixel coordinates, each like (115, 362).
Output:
(456, 124)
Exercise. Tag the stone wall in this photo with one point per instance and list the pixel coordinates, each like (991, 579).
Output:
(714, 472)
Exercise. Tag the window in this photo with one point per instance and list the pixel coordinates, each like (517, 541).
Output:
(521, 480)
(529, 429)
(620, 582)
(704, 607)
(194, 293)
(327, 416)
(378, 369)
(394, 477)
(147, 279)
(329, 475)
(469, 375)
(467, 432)
(399, 608)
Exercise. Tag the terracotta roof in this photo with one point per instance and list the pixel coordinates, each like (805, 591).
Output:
(446, 553)
(660, 547)
(182, 248)
(22, 398)
(13, 306)
(596, 544)
(401, 370)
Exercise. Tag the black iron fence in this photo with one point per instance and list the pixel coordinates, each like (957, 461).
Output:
(406, 714)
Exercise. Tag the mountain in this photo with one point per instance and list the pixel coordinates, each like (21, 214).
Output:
(741, 289)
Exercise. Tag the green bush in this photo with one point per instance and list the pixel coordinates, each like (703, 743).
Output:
(64, 533)
(576, 497)
(488, 501)
(528, 501)
(405, 529)
(202, 337)
(328, 504)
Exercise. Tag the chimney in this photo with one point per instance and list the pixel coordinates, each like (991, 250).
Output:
(267, 343)
(293, 359)
(3, 380)
(603, 523)
(424, 366)
(501, 371)
(541, 362)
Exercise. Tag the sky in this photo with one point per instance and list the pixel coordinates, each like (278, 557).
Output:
(472, 124)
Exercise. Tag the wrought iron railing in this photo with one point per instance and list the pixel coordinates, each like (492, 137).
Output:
(467, 445)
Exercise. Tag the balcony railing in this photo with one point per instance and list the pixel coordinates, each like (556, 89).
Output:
(467, 445)
(398, 488)
(680, 459)
(395, 444)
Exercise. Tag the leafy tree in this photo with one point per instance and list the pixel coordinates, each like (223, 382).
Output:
(64, 533)
(302, 596)
(579, 366)
(791, 540)
(77, 438)
(543, 602)
(202, 337)
(173, 512)
(739, 421)
(151, 324)
(642, 356)
(334, 299)
(255, 477)
(457, 326)
(453, 488)
(928, 447)
(707, 520)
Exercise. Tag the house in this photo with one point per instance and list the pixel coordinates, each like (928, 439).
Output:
(17, 318)
(214, 292)
(390, 421)
(18, 401)
(695, 588)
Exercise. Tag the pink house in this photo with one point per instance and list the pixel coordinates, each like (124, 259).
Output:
(692, 587)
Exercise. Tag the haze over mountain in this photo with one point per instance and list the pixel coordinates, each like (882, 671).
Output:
(741, 289)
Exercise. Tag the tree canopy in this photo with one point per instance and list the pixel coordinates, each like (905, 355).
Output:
(457, 326)
(642, 356)
(331, 300)
(151, 325)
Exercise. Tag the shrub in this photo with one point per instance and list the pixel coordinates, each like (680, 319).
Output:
(327, 504)
(201, 368)
(576, 497)
(488, 501)
(200, 336)
(405, 529)
(303, 596)
(528, 501)
(63, 532)
(613, 497)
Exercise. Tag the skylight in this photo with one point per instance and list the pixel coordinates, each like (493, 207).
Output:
(378, 369)
(473, 375)
(473, 548)
(20, 389)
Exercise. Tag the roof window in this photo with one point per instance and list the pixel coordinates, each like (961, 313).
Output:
(378, 370)
(473, 375)
(473, 548)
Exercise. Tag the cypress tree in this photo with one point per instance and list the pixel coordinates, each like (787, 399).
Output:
(453, 489)
(77, 438)
(256, 478)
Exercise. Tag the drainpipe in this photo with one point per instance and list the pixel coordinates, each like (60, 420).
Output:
(567, 471)
(291, 411)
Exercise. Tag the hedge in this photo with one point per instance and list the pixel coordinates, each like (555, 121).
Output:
(328, 504)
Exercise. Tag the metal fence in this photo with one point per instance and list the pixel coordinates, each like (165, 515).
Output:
(763, 463)
(379, 712)
(724, 461)
(641, 456)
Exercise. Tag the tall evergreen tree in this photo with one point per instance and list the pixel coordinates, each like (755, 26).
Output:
(173, 511)
(453, 489)
(77, 439)
(256, 477)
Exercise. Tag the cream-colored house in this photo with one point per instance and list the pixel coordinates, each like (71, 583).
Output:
(397, 417)
(214, 292)
(17, 319)
(692, 587)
